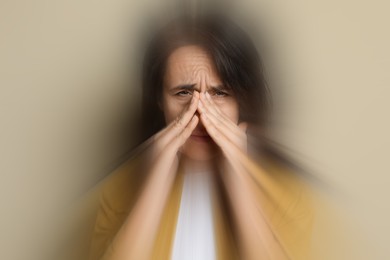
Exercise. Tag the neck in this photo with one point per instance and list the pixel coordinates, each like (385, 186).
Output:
(198, 166)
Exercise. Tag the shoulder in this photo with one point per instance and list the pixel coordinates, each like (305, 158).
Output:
(120, 187)
(295, 200)
(294, 215)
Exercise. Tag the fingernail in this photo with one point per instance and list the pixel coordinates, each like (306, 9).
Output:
(207, 95)
(200, 106)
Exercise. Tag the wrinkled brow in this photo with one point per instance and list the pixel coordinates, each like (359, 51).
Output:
(193, 87)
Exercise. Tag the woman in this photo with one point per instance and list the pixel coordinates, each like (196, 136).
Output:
(193, 191)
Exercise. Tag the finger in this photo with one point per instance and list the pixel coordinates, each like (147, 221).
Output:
(237, 140)
(218, 124)
(182, 120)
(230, 129)
(213, 107)
(186, 133)
(210, 106)
(177, 126)
(212, 130)
(220, 139)
(171, 148)
(228, 148)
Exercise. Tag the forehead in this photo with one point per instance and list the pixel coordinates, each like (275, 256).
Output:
(191, 64)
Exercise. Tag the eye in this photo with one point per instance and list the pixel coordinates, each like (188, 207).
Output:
(184, 93)
(220, 93)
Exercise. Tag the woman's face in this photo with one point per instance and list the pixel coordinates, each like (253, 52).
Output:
(190, 68)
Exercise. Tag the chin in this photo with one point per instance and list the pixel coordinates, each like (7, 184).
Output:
(199, 150)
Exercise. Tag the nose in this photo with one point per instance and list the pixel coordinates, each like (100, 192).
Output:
(203, 84)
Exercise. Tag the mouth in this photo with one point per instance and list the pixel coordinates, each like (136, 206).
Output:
(201, 137)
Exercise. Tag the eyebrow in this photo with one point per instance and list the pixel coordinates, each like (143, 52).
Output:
(184, 87)
(192, 87)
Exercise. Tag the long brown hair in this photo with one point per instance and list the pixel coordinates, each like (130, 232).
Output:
(236, 58)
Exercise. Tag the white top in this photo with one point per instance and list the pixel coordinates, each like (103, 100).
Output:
(194, 237)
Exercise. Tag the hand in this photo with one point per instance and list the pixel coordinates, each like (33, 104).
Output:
(178, 131)
(173, 136)
(230, 137)
(135, 239)
(257, 238)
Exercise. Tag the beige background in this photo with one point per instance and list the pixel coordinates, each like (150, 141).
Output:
(66, 105)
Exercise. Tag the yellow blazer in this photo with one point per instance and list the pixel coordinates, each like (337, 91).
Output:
(288, 210)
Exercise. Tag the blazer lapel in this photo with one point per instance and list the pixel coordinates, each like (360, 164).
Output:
(165, 236)
(224, 238)
(225, 246)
